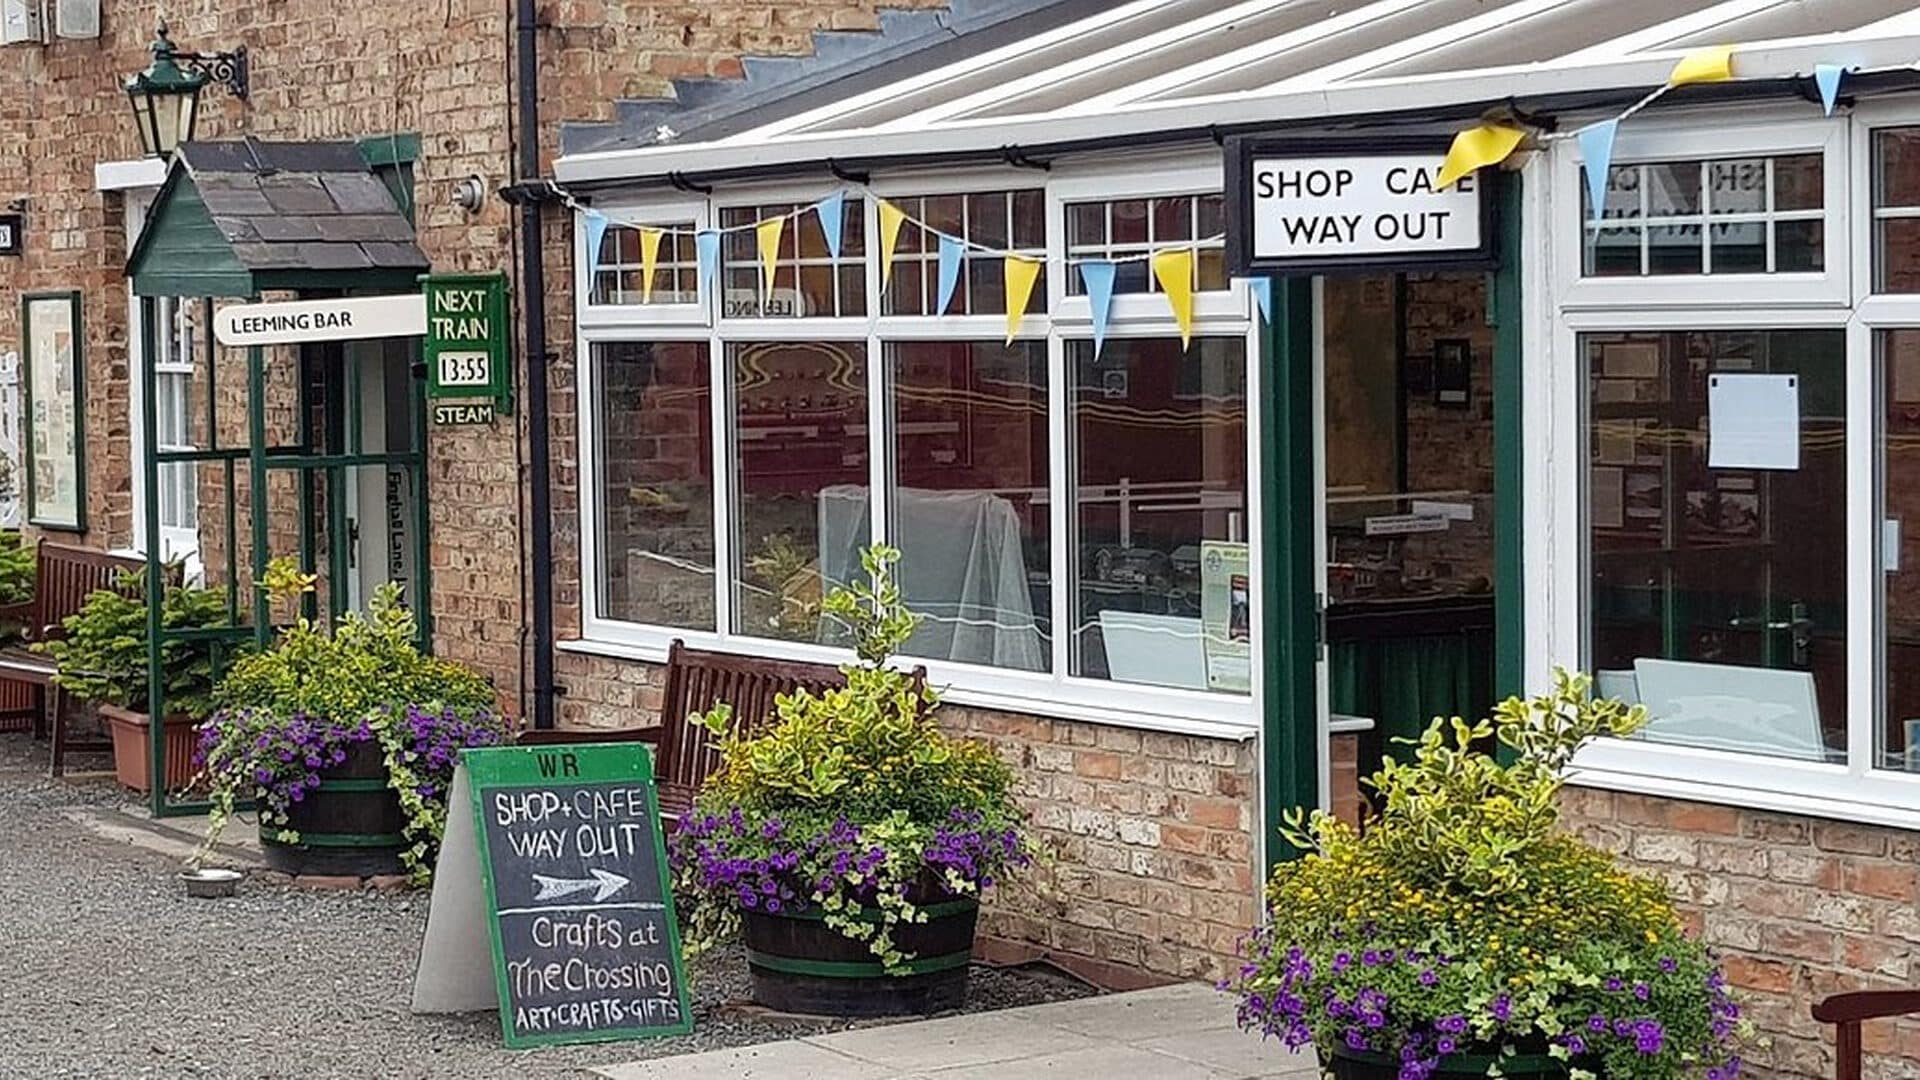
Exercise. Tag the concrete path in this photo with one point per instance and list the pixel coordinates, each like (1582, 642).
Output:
(1174, 1033)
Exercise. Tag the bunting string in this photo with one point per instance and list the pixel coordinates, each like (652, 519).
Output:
(1170, 265)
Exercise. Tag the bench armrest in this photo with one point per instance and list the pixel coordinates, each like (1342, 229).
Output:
(1867, 1005)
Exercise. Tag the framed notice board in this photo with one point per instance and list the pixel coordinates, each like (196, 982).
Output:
(54, 375)
(466, 346)
(579, 900)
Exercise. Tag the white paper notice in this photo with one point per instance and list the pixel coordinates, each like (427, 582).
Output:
(1753, 421)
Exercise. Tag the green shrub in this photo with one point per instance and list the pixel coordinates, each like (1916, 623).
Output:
(286, 715)
(103, 655)
(17, 568)
(853, 802)
(1464, 921)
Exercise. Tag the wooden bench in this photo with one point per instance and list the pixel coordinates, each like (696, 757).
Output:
(696, 680)
(65, 575)
(1848, 1011)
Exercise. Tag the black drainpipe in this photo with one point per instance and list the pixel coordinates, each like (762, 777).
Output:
(529, 195)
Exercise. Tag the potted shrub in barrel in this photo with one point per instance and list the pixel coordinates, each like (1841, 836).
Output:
(1463, 933)
(345, 741)
(849, 841)
(101, 657)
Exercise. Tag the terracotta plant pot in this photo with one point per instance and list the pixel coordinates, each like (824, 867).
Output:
(132, 758)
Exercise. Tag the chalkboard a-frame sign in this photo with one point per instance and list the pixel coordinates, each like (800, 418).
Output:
(579, 899)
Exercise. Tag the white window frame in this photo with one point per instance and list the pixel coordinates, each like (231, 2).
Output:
(1558, 570)
(666, 213)
(1053, 693)
(176, 541)
(1708, 136)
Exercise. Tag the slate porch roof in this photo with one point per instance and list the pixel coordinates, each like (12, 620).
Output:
(301, 206)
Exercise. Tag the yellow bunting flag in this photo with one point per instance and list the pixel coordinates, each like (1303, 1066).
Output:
(769, 233)
(1703, 66)
(1174, 271)
(1475, 149)
(1021, 273)
(891, 218)
(649, 258)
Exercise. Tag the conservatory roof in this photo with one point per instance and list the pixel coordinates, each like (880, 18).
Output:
(1154, 68)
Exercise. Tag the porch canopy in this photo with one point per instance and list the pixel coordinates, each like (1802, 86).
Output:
(1180, 70)
(237, 219)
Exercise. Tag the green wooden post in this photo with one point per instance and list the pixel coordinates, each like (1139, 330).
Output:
(420, 603)
(1509, 453)
(257, 504)
(1291, 760)
(155, 583)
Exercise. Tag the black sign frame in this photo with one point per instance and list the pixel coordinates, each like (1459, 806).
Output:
(12, 230)
(1243, 150)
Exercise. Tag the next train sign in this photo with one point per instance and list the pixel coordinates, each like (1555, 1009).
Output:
(1312, 212)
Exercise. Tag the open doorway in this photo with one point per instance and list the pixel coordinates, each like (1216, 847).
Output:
(1407, 505)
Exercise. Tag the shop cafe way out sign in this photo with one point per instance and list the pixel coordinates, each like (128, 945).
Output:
(1299, 213)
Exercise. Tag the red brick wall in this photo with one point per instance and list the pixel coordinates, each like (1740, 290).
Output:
(348, 70)
(1799, 907)
(1151, 835)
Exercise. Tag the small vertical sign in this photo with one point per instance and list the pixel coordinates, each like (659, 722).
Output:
(466, 347)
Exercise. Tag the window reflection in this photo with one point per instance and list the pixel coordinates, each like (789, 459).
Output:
(1899, 736)
(969, 505)
(801, 505)
(656, 483)
(1162, 590)
(1717, 599)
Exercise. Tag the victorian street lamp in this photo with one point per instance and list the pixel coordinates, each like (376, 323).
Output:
(166, 96)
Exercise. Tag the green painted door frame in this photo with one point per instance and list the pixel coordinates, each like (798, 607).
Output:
(1289, 442)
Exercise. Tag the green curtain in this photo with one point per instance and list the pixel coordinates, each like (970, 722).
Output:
(1401, 684)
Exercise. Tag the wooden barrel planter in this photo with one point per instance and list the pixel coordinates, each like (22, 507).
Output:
(1354, 1065)
(800, 964)
(351, 825)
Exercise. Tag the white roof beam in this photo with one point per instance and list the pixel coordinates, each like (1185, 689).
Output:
(1114, 58)
(1147, 89)
(1767, 60)
(1357, 66)
(826, 114)
(1654, 37)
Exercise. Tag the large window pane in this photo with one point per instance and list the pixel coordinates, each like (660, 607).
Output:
(801, 513)
(1159, 510)
(1716, 519)
(656, 483)
(808, 282)
(1761, 215)
(1898, 740)
(969, 512)
(1896, 210)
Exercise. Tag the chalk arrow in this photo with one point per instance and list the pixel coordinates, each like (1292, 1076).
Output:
(603, 884)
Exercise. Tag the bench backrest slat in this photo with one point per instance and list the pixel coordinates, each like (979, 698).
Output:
(698, 679)
(65, 575)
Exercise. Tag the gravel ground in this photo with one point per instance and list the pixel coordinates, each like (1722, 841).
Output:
(107, 971)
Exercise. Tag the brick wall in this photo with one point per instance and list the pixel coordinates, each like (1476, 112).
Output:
(1151, 835)
(348, 70)
(1799, 907)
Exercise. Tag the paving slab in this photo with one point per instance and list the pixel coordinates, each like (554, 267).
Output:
(1108, 1062)
(1234, 1053)
(1144, 1014)
(977, 1039)
(1184, 1032)
(789, 1060)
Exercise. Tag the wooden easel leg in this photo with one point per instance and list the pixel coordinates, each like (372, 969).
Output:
(41, 728)
(56, 699)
